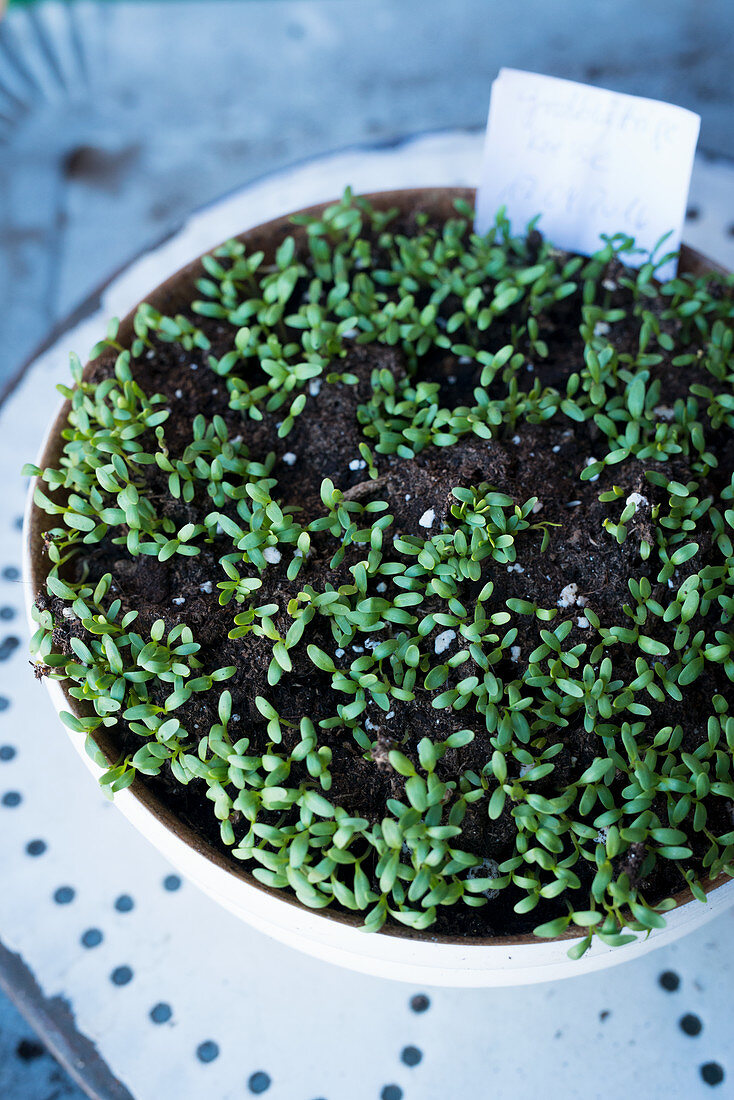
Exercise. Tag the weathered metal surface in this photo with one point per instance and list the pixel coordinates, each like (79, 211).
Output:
(116, 121)
(53, 1019)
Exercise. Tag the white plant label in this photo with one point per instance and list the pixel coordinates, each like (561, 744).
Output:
(589, 161)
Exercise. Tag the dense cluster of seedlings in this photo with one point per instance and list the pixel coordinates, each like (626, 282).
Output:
(599, 738)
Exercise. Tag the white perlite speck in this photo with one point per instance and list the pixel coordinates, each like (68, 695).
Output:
(178, 393)
(443, 641)
(569, 596)
(339, 652)
(590, 462)
(601, 328)
(178, 600)
(609, 284)
(664, 412)
(515, 568)
(314, 387)
(582, 622)
(357, 464)
(537, 506)
(68, 613)
(206, 587)
(556, 448)
(515, 653)
(289, 458)
(516, 439)
(382, 587)
(271, 554)
(428, 518)
(637, 499)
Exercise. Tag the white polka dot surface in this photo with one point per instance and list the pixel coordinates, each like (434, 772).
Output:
(184, 1001)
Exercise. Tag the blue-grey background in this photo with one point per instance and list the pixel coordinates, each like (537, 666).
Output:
(118, 119)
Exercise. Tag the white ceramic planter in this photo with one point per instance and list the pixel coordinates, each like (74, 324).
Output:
(399, 954)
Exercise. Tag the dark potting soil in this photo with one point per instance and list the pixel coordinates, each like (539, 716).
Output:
(542, 460)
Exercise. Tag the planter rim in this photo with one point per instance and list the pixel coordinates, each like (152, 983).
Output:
(147, 806)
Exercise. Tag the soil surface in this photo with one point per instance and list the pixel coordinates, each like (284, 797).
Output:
(542, 460)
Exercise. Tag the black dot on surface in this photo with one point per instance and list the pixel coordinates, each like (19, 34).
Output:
(11, 573)
(29, 1049)
(712, 1073)
(410, 1056)
(91, 938)
(690, 1024)
(420, 1003)
(730, 230)
(258, 1082)
(161, 1013)
(171, 883)
(391, 1092)
(18, 523)
(7, 752)
(64, 894)
(207, 1051)
(11, 799)
(8, 646)
(4, 702)
(35, 847)
(124, 903)
(7, 613)
(669, 980)
(121, 975)
(693, 214)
